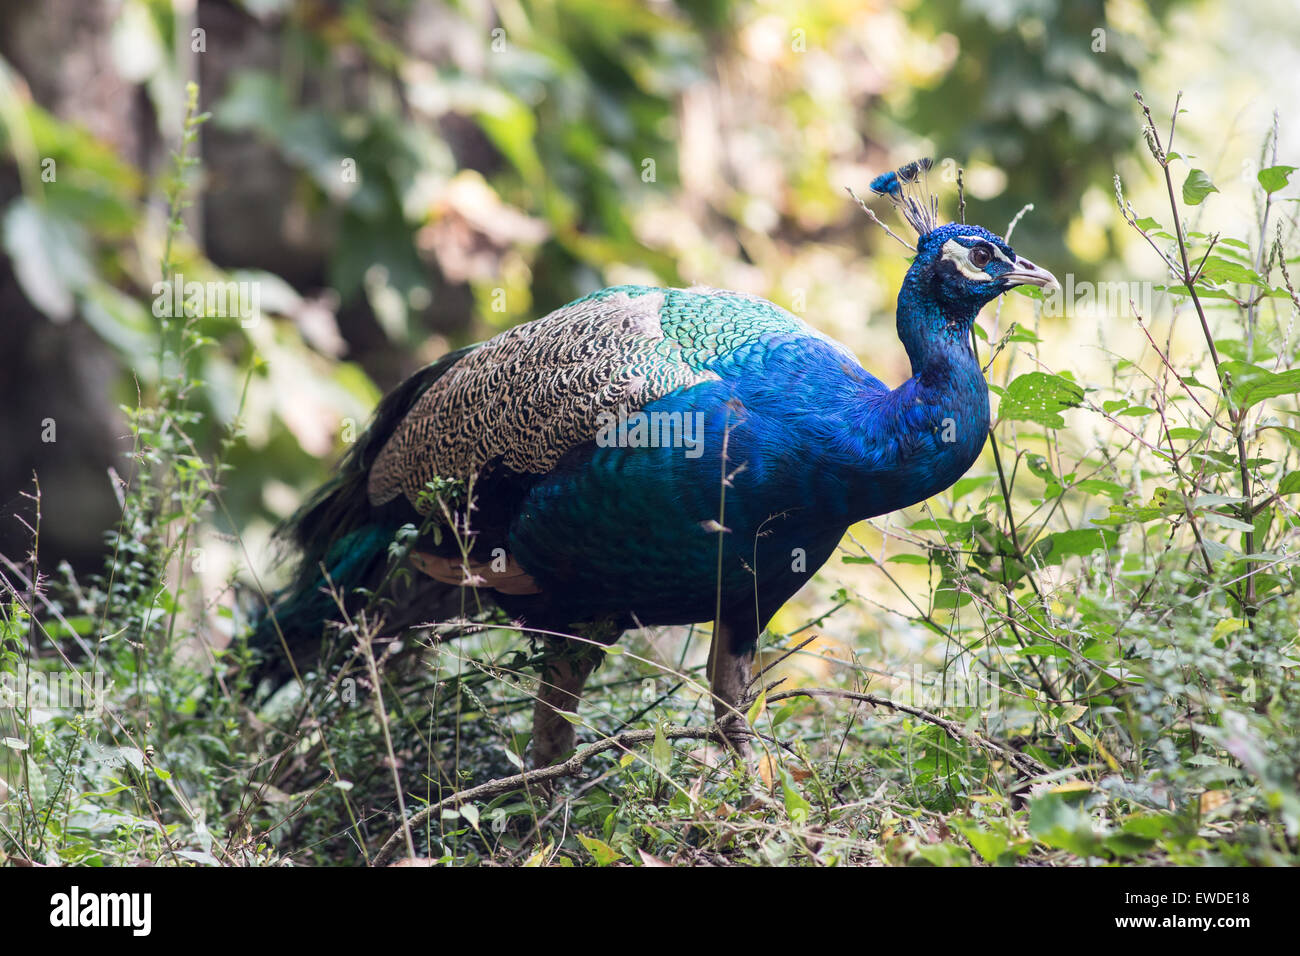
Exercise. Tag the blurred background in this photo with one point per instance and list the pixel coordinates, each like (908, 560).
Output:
(399, 178)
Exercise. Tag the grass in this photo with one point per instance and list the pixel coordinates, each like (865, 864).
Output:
(1102, 614)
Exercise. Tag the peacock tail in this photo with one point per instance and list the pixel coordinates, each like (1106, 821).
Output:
(340, 542)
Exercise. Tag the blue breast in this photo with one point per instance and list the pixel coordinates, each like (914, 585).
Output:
(812, 444)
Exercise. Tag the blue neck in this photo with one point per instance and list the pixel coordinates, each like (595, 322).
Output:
(929, 331)
(916, 440)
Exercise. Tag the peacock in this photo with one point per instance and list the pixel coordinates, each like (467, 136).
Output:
(651, 456)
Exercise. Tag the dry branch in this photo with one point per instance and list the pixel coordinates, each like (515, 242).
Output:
(573, 766)
(568, 768)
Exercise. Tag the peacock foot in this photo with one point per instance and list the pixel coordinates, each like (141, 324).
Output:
(735, 733)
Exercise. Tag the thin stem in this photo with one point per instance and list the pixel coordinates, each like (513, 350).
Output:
(1188, 278)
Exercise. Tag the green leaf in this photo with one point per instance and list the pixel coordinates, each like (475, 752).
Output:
(988, 845)
(1022, 334)
(1127, 844)
(1275, 177)
(1039, 397)
(1224, 521)
(511, 126)
(1225, 271)
(120, 320)
(600, 851)
(795, 805)
(134, 756)
(1290, 484)
(1197, 186)
(965, 486)
(1152, 827)
(1056, 547)
(661, 754)
(1054, 820)
(80, 624)
(909, 559)
(755, 709)
(1252, 384)
(50, 255)
(1227, 626)
(1292, 435)
(786, 712)
(1100, 486)
(1039, 468)
(1213, 501)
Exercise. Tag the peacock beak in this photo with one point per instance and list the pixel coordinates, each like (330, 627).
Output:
(1026, 273)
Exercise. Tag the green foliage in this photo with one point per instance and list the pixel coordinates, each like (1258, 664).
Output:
(1039, 397)
(103, 726)
(1015, 101)
(1197, 186)
(1275, 178)
(1112, 596)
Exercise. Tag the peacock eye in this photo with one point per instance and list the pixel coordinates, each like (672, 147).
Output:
(980, 256)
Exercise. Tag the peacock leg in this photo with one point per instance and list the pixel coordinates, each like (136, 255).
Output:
(731, 671)
(563, 676)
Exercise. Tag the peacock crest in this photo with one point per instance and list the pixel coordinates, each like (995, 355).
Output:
(908, 189)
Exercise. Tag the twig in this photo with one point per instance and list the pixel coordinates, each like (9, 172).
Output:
(571, 767)
(876, 219)
(1015, 220)
(791, 651)
(568, 768)
(367, 646)
(952, 728)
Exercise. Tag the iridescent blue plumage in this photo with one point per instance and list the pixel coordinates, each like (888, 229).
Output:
(784, 441)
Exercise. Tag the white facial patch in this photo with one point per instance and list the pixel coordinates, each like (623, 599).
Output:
(959, 255)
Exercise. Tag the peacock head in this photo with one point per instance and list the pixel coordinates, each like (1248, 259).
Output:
(957, 266)
(968, 266)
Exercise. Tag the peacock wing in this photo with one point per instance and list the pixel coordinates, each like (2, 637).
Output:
(524, 398)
